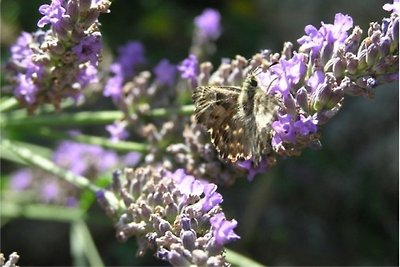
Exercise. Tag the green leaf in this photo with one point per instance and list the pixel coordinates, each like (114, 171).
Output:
(237, 259)
(83, 248)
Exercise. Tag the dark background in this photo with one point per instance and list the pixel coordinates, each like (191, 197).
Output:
(336, 206)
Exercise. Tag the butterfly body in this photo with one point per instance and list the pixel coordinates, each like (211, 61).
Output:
(238, 118)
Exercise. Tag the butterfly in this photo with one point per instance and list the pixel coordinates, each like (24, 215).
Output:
(238, 118)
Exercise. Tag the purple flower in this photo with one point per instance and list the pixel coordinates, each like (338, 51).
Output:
(188, 68)
(165, 72)
(71, 202)
(253, 171)
(26, 89)
(290, 72)
(114, 84)
(328, 35)
(317, 78)
(129, 56)
(52, 13)
(223, 229)
(305, 126)
(107, 161)
(132, 158)
(208, 24)
(20, 51)
(284, 130)
(117, 131)
(21, 179)
(87, 75)
(187, 184)
(49, 191)
(91, 157)
(88, 49)
(211, 197)
(395, 7)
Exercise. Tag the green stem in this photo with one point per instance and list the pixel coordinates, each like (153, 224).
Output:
(40, 212)
(122, 146)
(8, 104)
(48, 165)
(84, 117)
(237, 259)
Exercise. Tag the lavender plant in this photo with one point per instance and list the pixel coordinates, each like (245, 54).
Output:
(169, 202)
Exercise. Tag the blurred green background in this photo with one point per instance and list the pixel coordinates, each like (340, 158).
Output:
(336, 206)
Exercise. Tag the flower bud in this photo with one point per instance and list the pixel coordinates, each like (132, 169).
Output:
(188, 239)
(339, 66)
(362, 63)
(302, 99)
(395, 30)
(73, 11)
(326, 52)
(352, 63)
(177, 259)
(384, 46)
(353, 41)
(372, 54)
(290, 104)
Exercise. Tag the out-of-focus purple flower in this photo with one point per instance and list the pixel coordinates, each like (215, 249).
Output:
(109, 160)
(189, 68)
(284, 130)
(26, 89)
(223, 229)
(21, 179)
(88, 49)
(208, 24)
(395, 7)
(49, 191)
(117, 131)
(253, 171)
(132, 158)
(91, 157)
(129, 56)
(20, 51)
(52, 13)
(87, 75)
(71, 202)
(114, 84)
(165, 72)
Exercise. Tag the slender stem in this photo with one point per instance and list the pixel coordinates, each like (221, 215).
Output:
(48, 165)
(84, 117)
(237, 259)
(79, 118)
(122, 146)
(8, 104)
(40, 212)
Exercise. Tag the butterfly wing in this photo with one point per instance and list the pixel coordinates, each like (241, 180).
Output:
(217, 110)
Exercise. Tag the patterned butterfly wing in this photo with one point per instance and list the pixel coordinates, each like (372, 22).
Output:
(216, 109)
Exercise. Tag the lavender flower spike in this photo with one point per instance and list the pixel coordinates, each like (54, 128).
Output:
(173, 213)
(308, 85)
(48, 66)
